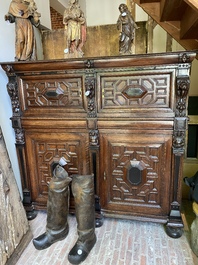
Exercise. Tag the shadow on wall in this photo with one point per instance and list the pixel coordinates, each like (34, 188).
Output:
(101, 41)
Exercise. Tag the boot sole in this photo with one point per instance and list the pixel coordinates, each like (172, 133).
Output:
(72, 258)
(49, 242)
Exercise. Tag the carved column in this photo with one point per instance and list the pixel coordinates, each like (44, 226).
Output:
(12, 88)
(175, 223)
(90, 88)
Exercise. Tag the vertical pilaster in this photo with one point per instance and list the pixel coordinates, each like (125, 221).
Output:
(90, 93)
(182, 85)
(12, 88)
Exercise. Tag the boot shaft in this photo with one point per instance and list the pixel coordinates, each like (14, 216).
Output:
(57, 210)
(83, 191)
(84, 197)
(58, 203)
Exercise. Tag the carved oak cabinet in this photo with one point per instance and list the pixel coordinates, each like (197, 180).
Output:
(121, 118)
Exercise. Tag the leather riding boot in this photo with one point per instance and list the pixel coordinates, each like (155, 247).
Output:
(83, 191)
(57, 210)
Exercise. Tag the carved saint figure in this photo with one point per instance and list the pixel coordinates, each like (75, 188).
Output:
(127, 26)
(24, 14)
(32, 10)
(75, 25)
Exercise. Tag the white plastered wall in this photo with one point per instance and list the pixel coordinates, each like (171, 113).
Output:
(102, 12)
(97, 12)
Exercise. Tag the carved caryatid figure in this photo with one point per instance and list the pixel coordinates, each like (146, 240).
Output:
(126, 25)
(75, 25)
(24, 14)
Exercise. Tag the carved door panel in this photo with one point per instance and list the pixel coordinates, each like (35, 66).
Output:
(44, 149)
(136, 173)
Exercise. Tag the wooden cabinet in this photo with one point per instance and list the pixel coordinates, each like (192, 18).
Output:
(122, 118)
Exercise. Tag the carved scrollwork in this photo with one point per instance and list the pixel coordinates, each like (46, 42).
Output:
(179, 139)
(8, 69)
(89, 64)
(13, 93)
(184, 58)
(12, 89)
(179, 135)
(90, 87)
(93, 137)
(19, 135)
(90, 94)
(91, 105)
(182, 88)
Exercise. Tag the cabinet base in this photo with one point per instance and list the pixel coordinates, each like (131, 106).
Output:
(174, 232)
(31, 215)
(175, 224)
(28, 205)
(99, 219)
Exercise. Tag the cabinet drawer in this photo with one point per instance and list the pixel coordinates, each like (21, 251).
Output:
(136, 93)
(53, 96)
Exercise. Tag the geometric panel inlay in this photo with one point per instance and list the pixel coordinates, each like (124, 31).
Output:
(142, 90)
(66, 92)
(134, 91)
(51, 152)
(135, 173)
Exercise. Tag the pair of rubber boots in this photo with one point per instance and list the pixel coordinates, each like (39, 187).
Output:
(57, 210)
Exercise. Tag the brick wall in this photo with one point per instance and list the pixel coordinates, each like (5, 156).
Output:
(57, 19)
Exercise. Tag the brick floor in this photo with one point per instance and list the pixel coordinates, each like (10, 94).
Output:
(119, 242)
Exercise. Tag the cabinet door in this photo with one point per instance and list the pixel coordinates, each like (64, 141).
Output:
(45, 148)
(135, 173)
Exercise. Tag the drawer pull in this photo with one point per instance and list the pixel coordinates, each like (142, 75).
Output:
(87, 93)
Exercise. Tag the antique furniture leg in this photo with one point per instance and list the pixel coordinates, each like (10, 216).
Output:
(27, 201)
(174, 225)
(99, 215)
(99, 218)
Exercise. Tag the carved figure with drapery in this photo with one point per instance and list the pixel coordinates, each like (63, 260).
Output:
(24, 14)
(75, 25)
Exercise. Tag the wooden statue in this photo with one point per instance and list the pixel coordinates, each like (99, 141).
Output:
(75, 25)
(24, 14)
(126, 25)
